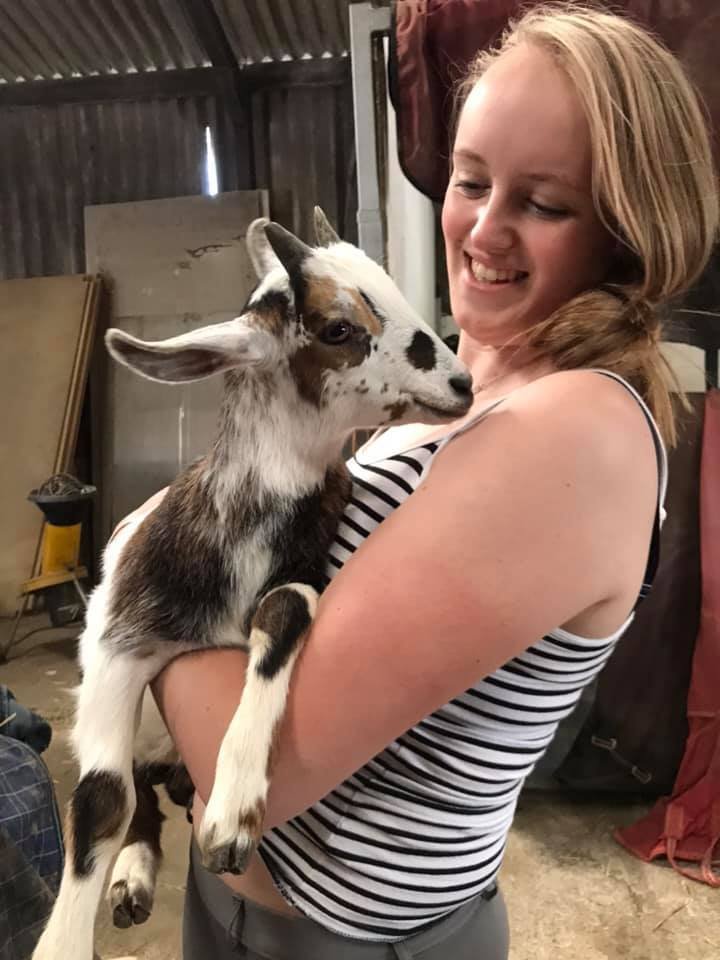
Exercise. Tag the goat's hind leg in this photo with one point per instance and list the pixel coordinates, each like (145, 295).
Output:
(103, 801)
(233, 820)
(132, 886)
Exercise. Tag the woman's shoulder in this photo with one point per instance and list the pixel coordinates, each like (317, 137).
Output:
(583, 412)
(578, 411)
(596, 390)
(574, 443)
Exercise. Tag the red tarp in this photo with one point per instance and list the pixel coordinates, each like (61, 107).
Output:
(686, 826)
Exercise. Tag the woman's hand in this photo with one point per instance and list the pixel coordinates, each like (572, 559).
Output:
(141, 512)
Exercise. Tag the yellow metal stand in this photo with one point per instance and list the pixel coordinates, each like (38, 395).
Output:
(58, 558)
(61, 499)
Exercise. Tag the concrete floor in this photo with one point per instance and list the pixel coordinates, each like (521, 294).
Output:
(572, 892)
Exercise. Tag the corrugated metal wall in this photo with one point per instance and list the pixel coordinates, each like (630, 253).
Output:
(52, 39)
(304, 146)
(260, 30)
(55, 160)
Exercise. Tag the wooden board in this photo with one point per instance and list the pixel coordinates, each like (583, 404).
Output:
(46, 328)
(170, 265)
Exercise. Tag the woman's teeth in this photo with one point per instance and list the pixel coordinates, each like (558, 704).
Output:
(487, 275)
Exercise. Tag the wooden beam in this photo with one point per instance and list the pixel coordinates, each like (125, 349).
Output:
(296, 72)
(223, 82)
(150, 85)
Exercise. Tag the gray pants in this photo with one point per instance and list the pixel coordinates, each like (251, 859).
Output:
(222, 926)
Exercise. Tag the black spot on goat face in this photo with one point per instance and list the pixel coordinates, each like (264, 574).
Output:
(421, 352)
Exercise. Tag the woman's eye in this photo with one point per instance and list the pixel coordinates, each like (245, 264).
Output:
(471, 187)
(336, 332)
(552, 213)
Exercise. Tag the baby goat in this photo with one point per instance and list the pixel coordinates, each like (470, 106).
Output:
(234, 554)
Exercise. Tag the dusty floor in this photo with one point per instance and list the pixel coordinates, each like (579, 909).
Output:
(571, 891)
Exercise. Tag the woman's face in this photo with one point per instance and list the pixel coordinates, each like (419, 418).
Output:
(521, 232)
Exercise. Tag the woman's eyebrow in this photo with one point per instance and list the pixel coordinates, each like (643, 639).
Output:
(469, 156)
(554, 178)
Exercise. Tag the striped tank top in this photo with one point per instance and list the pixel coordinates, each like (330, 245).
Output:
(422, 827)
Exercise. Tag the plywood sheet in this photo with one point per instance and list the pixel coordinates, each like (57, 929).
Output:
(46, 328)
(171, 265)
(688, 363)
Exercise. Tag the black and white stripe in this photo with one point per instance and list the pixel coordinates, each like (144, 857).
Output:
(422, 827)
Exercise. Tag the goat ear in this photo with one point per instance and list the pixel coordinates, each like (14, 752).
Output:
(192, 356)
(325, 234)
(259, 250)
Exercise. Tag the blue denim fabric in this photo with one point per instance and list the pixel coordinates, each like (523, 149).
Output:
(21, 723)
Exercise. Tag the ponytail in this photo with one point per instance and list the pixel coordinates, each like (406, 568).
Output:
(607, 330)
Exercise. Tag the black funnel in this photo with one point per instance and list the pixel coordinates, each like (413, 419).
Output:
(62, 499)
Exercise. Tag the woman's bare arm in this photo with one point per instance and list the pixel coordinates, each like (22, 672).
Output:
(521, 526)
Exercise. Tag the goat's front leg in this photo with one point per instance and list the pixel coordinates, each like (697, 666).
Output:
(233, 820)
(103, 801)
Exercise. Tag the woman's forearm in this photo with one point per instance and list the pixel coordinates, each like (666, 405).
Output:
(198, 694)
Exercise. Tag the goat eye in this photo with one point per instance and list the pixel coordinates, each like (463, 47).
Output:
(337, 332)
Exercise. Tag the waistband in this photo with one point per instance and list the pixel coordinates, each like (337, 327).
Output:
(274, 934)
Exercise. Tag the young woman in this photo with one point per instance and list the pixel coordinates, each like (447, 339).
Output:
(456, 633)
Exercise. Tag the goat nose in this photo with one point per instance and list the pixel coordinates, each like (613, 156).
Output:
(462, 384)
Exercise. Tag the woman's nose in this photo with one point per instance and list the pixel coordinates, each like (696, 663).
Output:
(492, 229)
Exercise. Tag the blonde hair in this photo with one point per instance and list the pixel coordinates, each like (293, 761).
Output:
(654, 187)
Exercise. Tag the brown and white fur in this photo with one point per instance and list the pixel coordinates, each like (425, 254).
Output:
(234, 554)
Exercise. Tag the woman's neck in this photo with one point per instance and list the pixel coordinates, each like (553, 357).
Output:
(498, 371)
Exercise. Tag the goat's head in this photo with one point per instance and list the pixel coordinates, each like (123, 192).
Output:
(328, 322)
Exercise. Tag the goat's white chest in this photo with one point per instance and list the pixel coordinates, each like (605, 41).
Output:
(250, 566)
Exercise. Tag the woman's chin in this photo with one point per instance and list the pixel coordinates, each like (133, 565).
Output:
(493, 328)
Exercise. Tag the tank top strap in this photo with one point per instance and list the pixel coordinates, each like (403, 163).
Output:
(662, 462)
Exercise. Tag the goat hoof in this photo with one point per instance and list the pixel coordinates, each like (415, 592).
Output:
(129, 906)
(232, 857)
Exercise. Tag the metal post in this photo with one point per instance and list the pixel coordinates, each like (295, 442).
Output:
(411, 234)
(365, 20)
